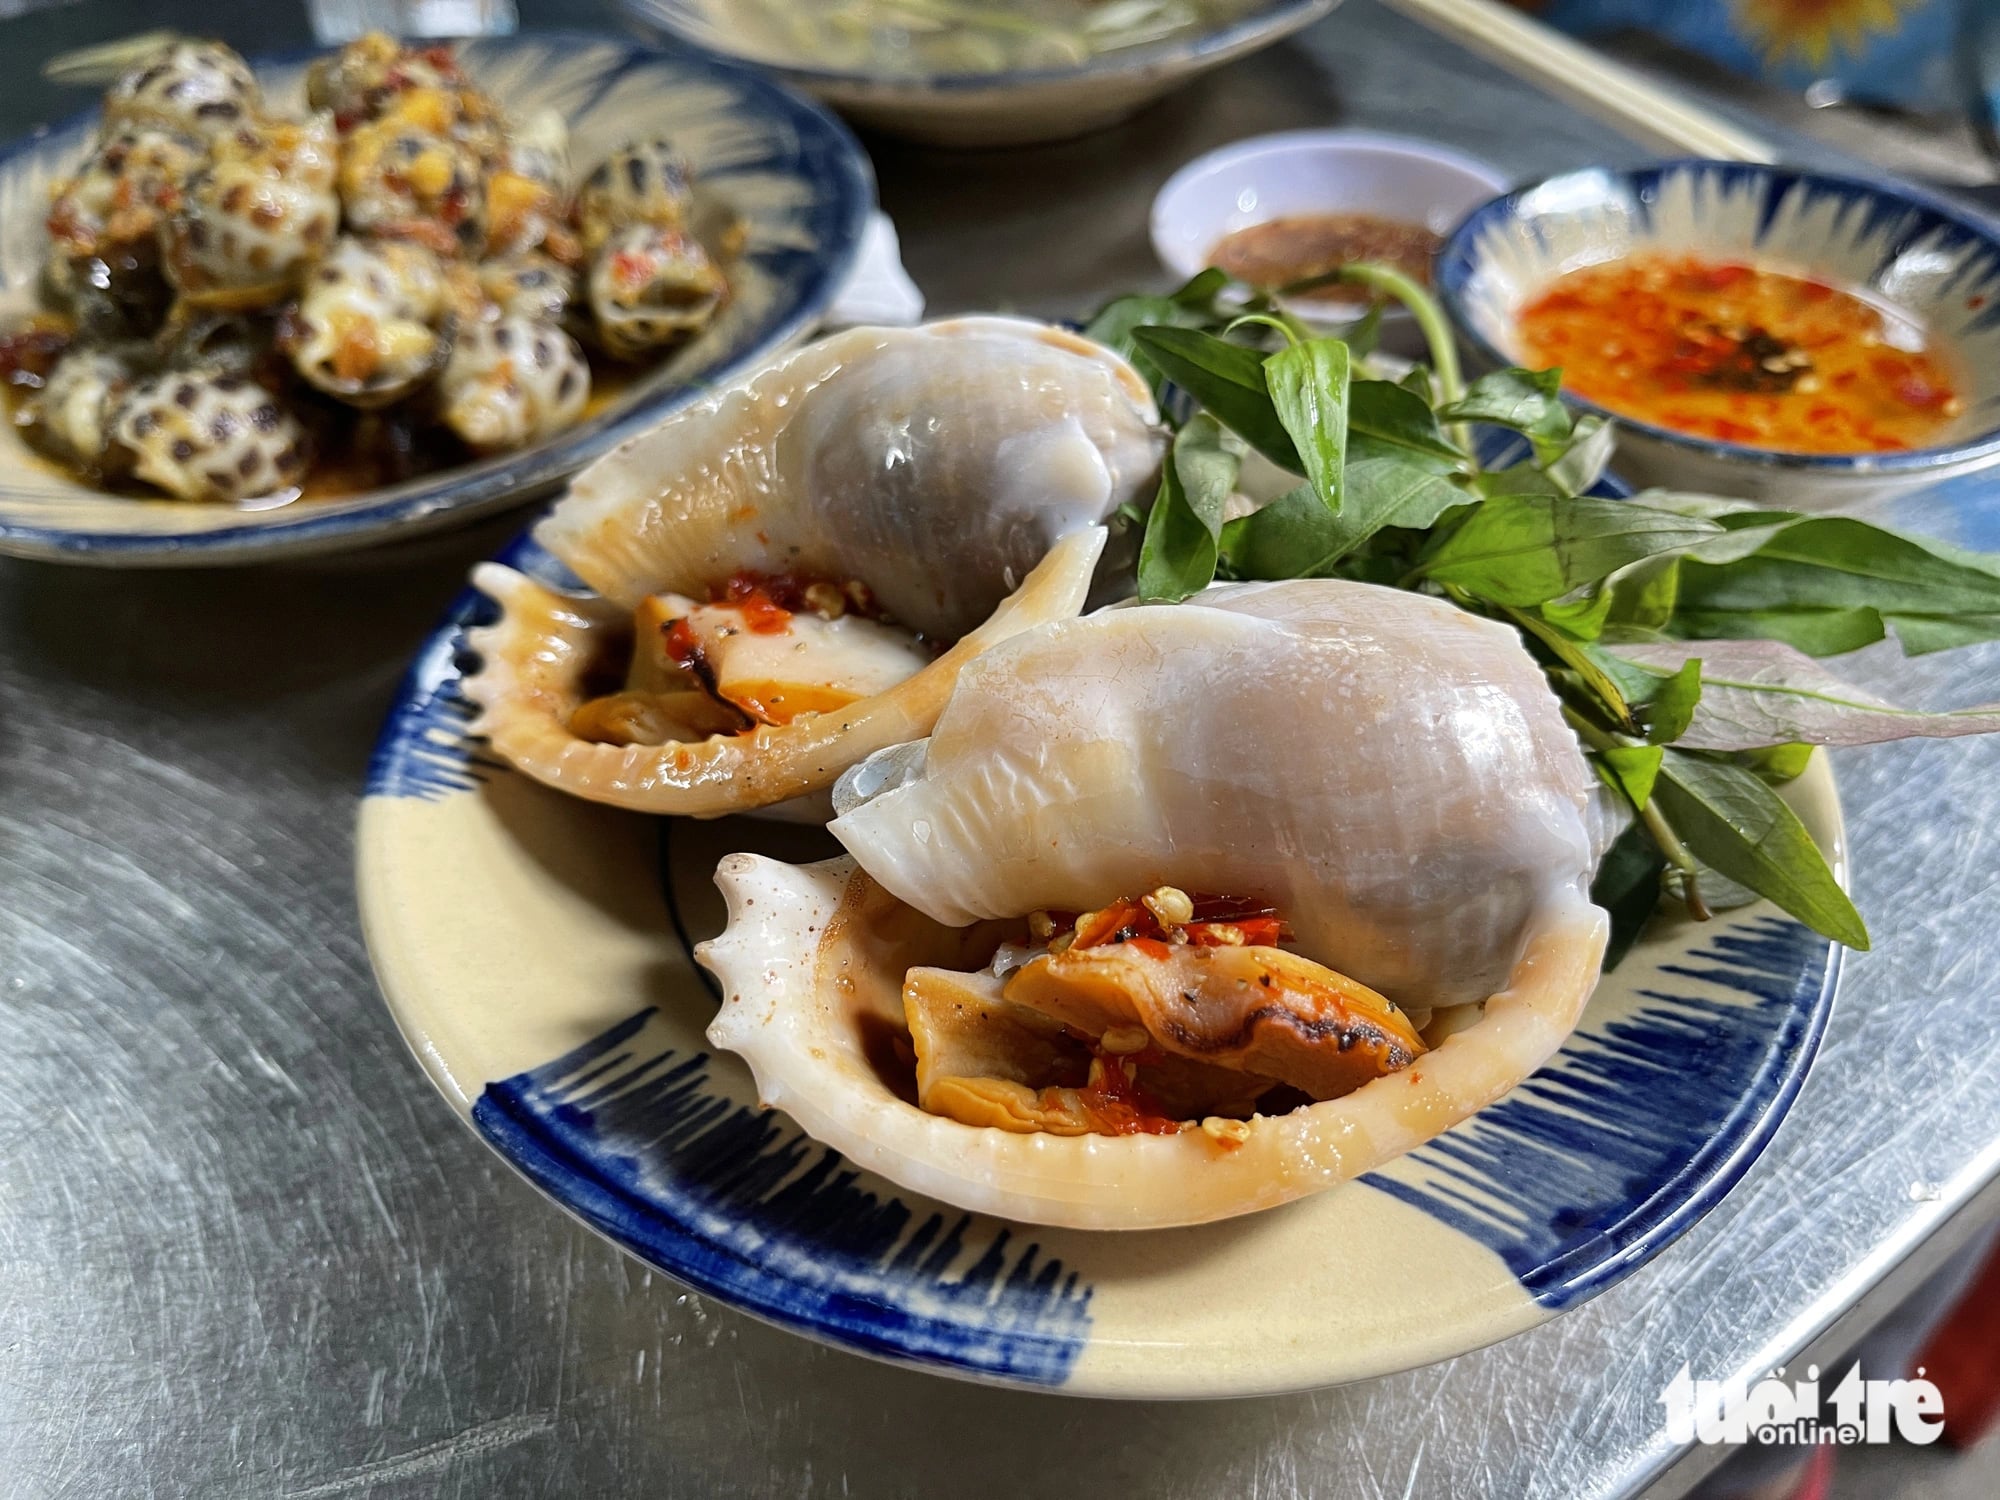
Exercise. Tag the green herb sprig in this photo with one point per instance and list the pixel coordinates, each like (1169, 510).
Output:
(1679, 631)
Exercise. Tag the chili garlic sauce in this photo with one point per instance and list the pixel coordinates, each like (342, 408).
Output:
(1744, 354)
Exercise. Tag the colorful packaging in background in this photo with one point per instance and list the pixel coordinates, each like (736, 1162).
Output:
(1914, 53)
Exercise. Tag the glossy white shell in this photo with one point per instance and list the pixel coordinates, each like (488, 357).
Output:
(952, 468)
(1394, 774)
(1389, 771)
(937, 464)
(536, 660)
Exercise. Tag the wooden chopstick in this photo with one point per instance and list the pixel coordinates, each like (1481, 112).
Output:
(1585, 78)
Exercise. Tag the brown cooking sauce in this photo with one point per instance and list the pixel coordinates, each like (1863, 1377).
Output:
(1298, 246)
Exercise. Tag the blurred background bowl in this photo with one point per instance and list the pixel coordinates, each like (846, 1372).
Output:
(1003, 107)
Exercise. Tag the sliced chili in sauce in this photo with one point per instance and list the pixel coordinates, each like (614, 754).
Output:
(1741, 354)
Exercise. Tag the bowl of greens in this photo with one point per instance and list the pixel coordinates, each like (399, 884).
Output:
(982, 72)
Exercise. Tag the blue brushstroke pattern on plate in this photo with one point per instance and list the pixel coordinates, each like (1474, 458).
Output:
(1622, 1142)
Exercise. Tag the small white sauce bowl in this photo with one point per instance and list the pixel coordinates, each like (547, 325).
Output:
(1314, 172)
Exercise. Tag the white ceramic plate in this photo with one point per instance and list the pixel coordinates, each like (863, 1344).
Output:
(788, 170)
(535, 950)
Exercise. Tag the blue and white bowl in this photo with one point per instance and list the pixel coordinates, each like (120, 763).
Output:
(1936, 263)
(787, 170)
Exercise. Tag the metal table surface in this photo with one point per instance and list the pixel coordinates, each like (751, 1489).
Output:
(244, 1250)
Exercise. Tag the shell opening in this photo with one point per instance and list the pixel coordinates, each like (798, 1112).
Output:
(699, 725)
(1149, 1014)
(897, 1040)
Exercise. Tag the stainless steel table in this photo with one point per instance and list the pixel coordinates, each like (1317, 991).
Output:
(245, 1251)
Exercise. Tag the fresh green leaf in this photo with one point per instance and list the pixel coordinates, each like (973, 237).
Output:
(1779, 763)
(1296, 536)
(1115, 322)
(1643, 595)
(1417, 381)
(1660, 699)
(1583, 461)
(1731, 820)
(1586, 667)
(1583, 617)
(1817, 632)
(1228, 380)
(1308, 385)
(1666, 713)
(1287, 328)
(1524, 401)
(1836, 562)
(1365, 332)
(1387, 421)
(1527, 549)
(1200, 290)
(1637, 683)
(1630, 770)
(1923, 634)
(1763, 693)
(1177, 557)
(1627, 885)
(1520, 479)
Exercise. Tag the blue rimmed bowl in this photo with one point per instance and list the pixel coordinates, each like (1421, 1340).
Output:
(1937, 264)
(787, 170)
(1003, 108)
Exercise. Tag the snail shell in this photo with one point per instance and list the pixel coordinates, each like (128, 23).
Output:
(529, 286)
(210, 438)
(936, 464)
(198, 89)
(220, 343)
(261, 210)
(510, 381)
(124, 192)
(650, 286)
(70, 416)
(366, 76)
(405, 182)
(951, 468)
(527, 199)
(642, 182)
(1394, 775)
(367, 323)
(538, 149)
